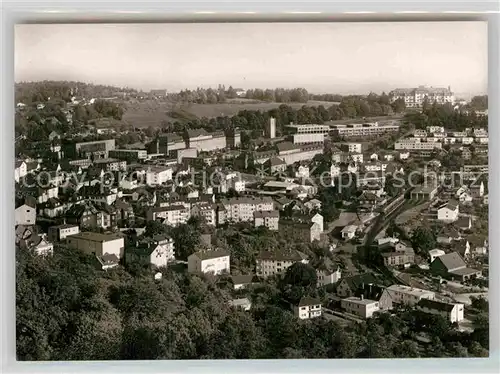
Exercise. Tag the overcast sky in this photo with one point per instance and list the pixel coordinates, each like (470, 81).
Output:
(322, 57)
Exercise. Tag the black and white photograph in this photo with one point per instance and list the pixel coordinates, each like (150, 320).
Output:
(286, 190)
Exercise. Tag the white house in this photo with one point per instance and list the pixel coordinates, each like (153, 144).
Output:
(349, 232)
(404, 155)
(405, 295)
(267, 218)
(453, 312)
(243, 303)
(44, 247)
(215, 262)
(360, 306)
(308, 308)
(326, 276)
(157, 251)
(448, 212)
(158, 175)
(302, 172)
(57, 233)
(25, 213)
(98, 244)
(21, 170)
(269, 263)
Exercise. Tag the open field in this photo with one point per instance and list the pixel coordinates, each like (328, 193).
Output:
(152, 113)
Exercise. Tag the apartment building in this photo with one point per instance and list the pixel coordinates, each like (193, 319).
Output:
(268, 218)
(94, 149)
(352, 147)
(60, 232)
(98, 244)
(204, 141)
(273, 263)
(129, 155)
(310, 133)
(110, 164)
(292, 153)
(158, 175)
(413, 144)
(157, 251)
(215, 262)
(242, 209)
(364, 129)
(207, 211)
(415, 97)
(453, 312)
(172, 215)
(404, 295)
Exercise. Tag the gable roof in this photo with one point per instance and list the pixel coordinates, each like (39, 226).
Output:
(436, 305)
(308, 301)
(451, 261)
(282, 256)
(356, 282)
(208, 255)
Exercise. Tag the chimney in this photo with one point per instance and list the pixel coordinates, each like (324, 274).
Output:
(361, 297)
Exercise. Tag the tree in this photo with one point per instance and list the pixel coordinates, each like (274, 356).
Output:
(300, 274)
(186, 238)
(423, 240)
(155, 228)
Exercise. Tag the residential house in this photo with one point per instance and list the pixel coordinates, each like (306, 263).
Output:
(349, 232)
(207, 211)
(448, 234)
(20, 171)
(267, 218)
(25, 213)
(158, 175)
(157, 251)
(244, 281)
(107, 261)
(477, 189)
(399, 258)
(463, 223)
(308, 308)
(215, 262)
(374, 292)
(313, 205)
(98, 244)
(452, 312)
(426, 193)
(435, 253)
(273, 263)
(349, 285)
(244, 304)
(448, 212)
(124, 212)
(172, 215)
(405, 295)
(302, 171)
(359, 306)
(327, 272)
(60, 232)
(276, 165)
(241, 209)
(302, 230)
(453, 266)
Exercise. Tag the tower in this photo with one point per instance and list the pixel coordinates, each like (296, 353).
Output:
(271, 128)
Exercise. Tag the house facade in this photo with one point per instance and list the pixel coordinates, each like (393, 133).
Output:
(98, 244)
(360, 307)
(215, 262)
(269, 263)
(453, 312)
(308, 308)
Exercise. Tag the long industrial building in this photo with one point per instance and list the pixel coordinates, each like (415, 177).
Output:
(363, 129)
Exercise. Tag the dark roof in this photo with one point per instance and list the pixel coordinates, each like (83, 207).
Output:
(266, 213)
(193, 133)
(356, 282)
(108, 259)
(306, 301)
(451, 261)
(436, 305)
(370, 292)
(207, 255)
(282, 256)
(276, 161)
(463, 222)
(286, 146)
(245, 279)
(28, 200)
